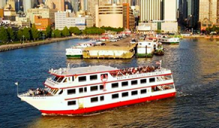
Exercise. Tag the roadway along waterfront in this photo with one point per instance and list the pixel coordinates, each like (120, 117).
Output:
(195, 69)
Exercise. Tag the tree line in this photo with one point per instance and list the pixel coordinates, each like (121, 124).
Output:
(8, 34)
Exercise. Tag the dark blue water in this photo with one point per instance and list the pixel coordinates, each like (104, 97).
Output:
(195, 65)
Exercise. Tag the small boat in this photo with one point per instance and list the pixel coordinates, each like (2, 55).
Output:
(76, 51)
(146, 48)
(73, 91)
(168, 40)
(159, 50)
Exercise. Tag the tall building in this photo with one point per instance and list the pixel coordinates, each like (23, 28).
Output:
(151, 10)
(115, 16)
(56, 4)
(170, 10)
(28, 4)
(208, 13)
(2, 3)
(43, 12)
(67, 19)
(189, 13)
(9, 10)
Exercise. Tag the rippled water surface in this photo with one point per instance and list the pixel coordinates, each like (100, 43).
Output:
(194, 63)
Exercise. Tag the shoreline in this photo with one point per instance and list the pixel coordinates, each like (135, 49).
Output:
(8, 47)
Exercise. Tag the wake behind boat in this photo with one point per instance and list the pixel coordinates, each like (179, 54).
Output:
(72, 91)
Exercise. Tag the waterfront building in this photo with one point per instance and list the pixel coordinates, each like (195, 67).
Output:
(28, 4)
(151, 10)
(189, 13)
(43, 11)
(42, 23)
(1, 13)
(67, 19)
(9, 10)
(115, 16)
(2, 4)
(56, 4)
(22, 21)
(208, 13)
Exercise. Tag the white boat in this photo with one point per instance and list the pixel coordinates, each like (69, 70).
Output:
(146, 48)
(168, 40)
(73, 91)
(76, 51)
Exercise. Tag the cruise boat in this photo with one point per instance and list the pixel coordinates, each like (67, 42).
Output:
(76, 51)
(76, 91)
(168, 40)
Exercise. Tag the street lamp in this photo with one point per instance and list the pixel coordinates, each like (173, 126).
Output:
(43, 36)
(23, 38)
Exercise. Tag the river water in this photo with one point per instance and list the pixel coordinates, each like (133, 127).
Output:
(195, 67)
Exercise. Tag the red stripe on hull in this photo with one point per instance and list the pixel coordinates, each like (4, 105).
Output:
(108, 106)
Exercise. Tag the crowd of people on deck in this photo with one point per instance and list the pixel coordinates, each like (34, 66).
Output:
(37, 92)
(134, 70)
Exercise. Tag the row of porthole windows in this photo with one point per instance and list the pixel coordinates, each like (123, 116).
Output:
(114, 96)
(84, 89)
(133, 82)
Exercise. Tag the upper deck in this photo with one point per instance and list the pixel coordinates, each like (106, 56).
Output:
(81, 70)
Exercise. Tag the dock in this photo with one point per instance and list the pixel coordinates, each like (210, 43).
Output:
(112, 50)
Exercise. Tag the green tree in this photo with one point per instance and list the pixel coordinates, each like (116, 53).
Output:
(26, 33)
(65, 32)
(57, 33)
(48, 31)
(75, 30)
(4, 37)
(20, 34)
(35, 33)
(11, 34)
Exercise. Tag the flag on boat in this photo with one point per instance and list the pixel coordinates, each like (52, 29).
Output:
(16, 83)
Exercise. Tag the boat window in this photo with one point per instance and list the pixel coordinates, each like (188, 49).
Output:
(56, 78)
(54, 91)
(105, 76)
(85, 89)
(72, 78)
(61, 92)
(71, 91)
(143, 91)
(125, 83)
(101, 98)
(60, 79)
(71, 103)
(94, 88)
(114, 96)
(93, 77)
(65, 80)
(143, 81)
(82, 78)
(152, 80)
(94, 99)
(125, 94)
(115, 85)
(134, 82)
(101, 87)
(134, 93)
(81, 90)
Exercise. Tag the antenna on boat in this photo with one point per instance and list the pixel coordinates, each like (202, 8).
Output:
(68, 67)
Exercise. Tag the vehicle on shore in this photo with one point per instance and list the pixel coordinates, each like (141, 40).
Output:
(73, 91)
